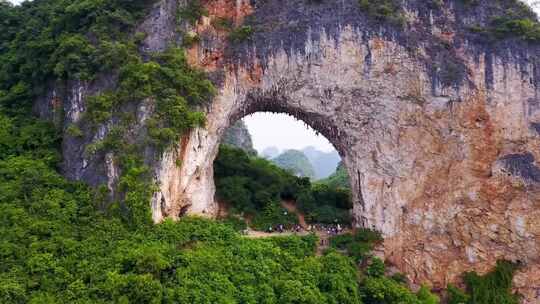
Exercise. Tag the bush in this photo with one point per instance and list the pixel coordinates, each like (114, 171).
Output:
(193, 11)
(238, 224)
(272, 215)
(518, 20)
(376, 269)
(384, 10)
(357, 245)
(324, 204)
(457, 296)
(250, 183)
(494, 287)
(241, 34)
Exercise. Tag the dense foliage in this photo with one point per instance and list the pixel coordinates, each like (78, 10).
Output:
(358, 245)
(254, 187)
(494, 287)
(389, 11)
(324, 204)
(53, 38)
(338, 179)
(517, 21)
(57, 247)
(83, 40)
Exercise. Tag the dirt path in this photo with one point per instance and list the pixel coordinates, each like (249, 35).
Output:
(291, 207)
(324, 237)
(260, 234)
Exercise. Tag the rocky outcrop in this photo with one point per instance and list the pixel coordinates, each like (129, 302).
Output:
(296, 162)
(324, 163)
(437, 127)
(238, 136)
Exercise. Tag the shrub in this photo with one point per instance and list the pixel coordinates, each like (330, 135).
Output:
(493, 288)
(74, 131)
(384, 10)
(241, 34)
(457, 296)
(272, 215)
(238, 224)
(325, 204)
(376, 268)
(193, 11)
(357, 245)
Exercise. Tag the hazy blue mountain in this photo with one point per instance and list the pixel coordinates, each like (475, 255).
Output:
(324, 163)
(270, 152)
(296, 162)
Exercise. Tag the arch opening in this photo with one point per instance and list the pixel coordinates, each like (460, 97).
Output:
(274, 172)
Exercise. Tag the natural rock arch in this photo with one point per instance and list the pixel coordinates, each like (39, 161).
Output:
(422, 148)
(439, 131)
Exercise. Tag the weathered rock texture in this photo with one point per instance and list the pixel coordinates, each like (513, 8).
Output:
(439, 130)
(238, 136)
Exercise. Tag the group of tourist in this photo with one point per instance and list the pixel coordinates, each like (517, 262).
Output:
(331, 229)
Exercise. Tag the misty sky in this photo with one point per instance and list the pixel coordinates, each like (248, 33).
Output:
(283, 131)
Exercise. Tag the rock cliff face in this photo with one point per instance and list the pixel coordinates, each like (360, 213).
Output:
(438, 129)
(296, 162)
(238, 135)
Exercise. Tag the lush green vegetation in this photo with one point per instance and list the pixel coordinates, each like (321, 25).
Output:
(517, 21)
(44, 39)
(494, 287)
(170, 83)
(324, 204)
(339, 179)
(358, 245)
(384, 10)
(255, 187)
(250, 183)
(51, 39)
(58, 246)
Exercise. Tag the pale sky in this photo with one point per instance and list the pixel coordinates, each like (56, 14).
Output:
(284, 132)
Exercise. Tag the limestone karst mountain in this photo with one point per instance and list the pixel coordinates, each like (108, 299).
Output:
(324, 163)
(433, 106)
(296, 162)
(238, 136)
(270, 152)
